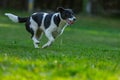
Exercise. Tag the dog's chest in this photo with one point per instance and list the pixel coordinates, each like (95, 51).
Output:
(59, 29)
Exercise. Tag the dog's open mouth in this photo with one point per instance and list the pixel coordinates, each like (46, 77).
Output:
(69, 21)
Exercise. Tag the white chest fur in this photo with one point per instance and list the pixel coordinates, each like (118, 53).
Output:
(59, 30)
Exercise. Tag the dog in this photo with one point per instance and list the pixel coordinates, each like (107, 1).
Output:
(51, 24)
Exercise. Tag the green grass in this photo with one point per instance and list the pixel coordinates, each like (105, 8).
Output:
(88, 50)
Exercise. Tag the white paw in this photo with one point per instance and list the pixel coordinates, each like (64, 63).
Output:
(35, 40)
(37, 47)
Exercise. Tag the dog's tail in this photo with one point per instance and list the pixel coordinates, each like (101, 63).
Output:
(16, 19)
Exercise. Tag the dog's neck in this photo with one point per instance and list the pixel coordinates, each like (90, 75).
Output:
(61, 26)
(59, 15)
(62, 22)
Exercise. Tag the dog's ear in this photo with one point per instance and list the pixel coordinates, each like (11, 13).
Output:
(60, 9)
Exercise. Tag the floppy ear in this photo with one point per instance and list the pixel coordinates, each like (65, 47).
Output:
(60, 9)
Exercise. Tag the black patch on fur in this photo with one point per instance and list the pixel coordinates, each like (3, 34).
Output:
(22, 20)
(57, 20)
(47, 20)
(38, 18)
(28, 27)
(66, 13)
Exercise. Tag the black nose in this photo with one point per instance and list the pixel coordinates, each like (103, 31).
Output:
(74, 19)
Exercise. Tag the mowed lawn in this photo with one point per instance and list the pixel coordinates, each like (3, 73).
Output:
(87, 50)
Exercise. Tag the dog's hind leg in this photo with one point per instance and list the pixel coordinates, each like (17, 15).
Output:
(35, 36)
(35, 40)
(32, 28)
(35, 32)
(39, 34)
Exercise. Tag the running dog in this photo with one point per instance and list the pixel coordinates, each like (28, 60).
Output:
(52, 24)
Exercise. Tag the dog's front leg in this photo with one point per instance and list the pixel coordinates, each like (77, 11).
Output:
(50, 39)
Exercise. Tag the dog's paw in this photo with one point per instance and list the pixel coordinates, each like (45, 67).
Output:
(36, 47)
(37, 42)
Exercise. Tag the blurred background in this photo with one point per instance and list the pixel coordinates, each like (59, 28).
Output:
(91, 7)
(88, 50)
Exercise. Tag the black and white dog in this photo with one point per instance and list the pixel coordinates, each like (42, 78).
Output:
(52, 24)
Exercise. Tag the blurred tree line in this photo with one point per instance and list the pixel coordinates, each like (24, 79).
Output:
(13, 4)
(76, 5)
(89, 6)
(102, 6)
(42, 4)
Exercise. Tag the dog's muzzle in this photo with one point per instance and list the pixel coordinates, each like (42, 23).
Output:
(71, 20)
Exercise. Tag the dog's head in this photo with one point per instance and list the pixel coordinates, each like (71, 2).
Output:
(67, 15)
